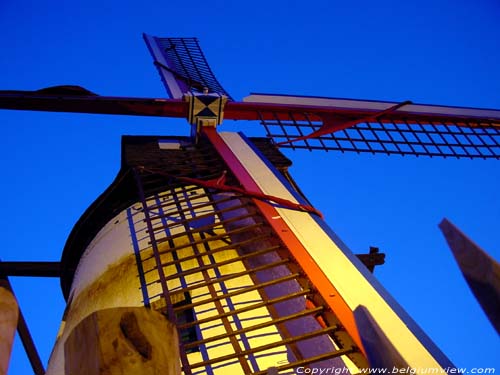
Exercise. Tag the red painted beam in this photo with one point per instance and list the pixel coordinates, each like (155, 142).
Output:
(84, 103)
(333, 125)
(34, 101)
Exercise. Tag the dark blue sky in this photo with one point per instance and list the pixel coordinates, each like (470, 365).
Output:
(437, 52)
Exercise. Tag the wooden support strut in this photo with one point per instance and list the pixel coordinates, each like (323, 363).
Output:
(8, 322)
(32, 269)
(333, 124)
(22, 330)
(219, 184)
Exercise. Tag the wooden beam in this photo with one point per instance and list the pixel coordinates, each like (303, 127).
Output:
(123, 340)
(479, 269)
(23, 331)
(34, 269)
(9, 313)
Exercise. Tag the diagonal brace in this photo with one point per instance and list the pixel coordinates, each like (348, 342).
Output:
(331, 125)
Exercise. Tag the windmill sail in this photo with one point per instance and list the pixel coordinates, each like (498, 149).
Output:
(295, 122)
(379, 127)
(254, 282)
(182, 66)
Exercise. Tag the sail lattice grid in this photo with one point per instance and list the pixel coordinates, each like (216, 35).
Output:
(188, 64)
(214, 266)
(405, 137)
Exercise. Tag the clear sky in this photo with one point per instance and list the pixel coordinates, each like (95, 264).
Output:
(427, 51)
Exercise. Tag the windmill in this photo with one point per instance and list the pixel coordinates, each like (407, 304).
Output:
(219, 238)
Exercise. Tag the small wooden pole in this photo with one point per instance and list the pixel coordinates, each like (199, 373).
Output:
(9, 313)
(479, 269)
(123, 340)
